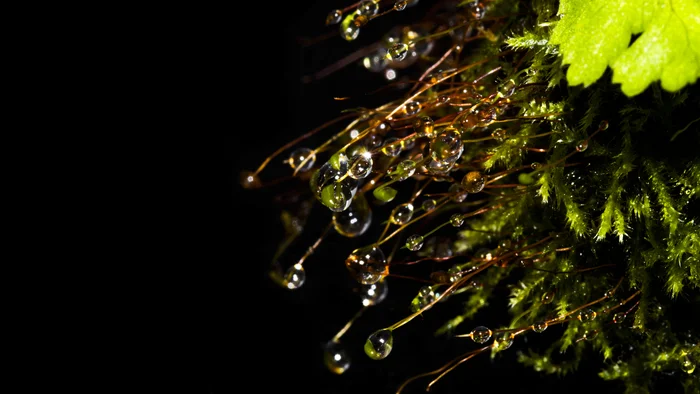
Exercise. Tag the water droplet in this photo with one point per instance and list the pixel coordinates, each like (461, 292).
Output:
(458, 193)
(455, 273)
(481, 334)
(582, 146)
(457, 220)
(603, 125)
(335, 358)
(469, 121)
(360, 20)
(367, 264)
(539, 326)
(375, 62)
(294, 277)
(535, 166)
(447, 145)
(687, 365)
(443, 99)
(477, 10)
(619, 317)
(297, 158)
(439, 167)
(507, 88)
(400, 5)
(428, 205)
(391, 147)
(414, 242)
(474, 182)
(499, 135)
(503, 340)
(337, 196)
(587, 315)
(589, 335)
(379, 344)
(369, 8)
(360, 166)
(397, 52)
(412, 108)
(402, 214)
(390, 74)
(547, 297)
(374, 293)
(334, 17)
(424, 127)
(355, 220)
(250, 180)
(327, 175)
(427, 293)
(404, 170)
(349, 31)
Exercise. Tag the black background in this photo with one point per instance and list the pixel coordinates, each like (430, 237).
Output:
(270, 339)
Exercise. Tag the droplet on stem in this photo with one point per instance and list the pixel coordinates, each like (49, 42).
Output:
(379, 344)
(374, 293)
(335, 358)
(587, 315)
(295, 277)
(539, 326)
(457, 220)
(334, 17)
(428, 205)
(474, 182)
(402, 214)
(360, 166)
(582, 146)
(481, 334)
(297, 158)
(367, 265)
(414, 242)
(397, 52)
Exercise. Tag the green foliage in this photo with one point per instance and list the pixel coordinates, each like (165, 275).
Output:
(593, 34)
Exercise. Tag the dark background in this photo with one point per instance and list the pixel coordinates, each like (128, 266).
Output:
(270, 339)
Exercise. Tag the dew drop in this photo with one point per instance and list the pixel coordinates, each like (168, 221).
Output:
(503, 340)
(428, 205)
(369, 8)
(355, 220)
(539, 326)
(499, 135)
(414, 242)
(474, 182)
(250, 180)
(412, 108)
(374, 293)
(297, 158)
(402, 214)
(582, 146)
(397, 52)
(404, 170)
(587, 315)
(391, 147)
(367, 265)
(335, 358)
(334, 17)
(457, 220)
(360, 166)
(424, 127)
(481, 334)
(379, 344)
(295, 277)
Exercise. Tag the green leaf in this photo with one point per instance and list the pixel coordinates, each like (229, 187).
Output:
(593, 34)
